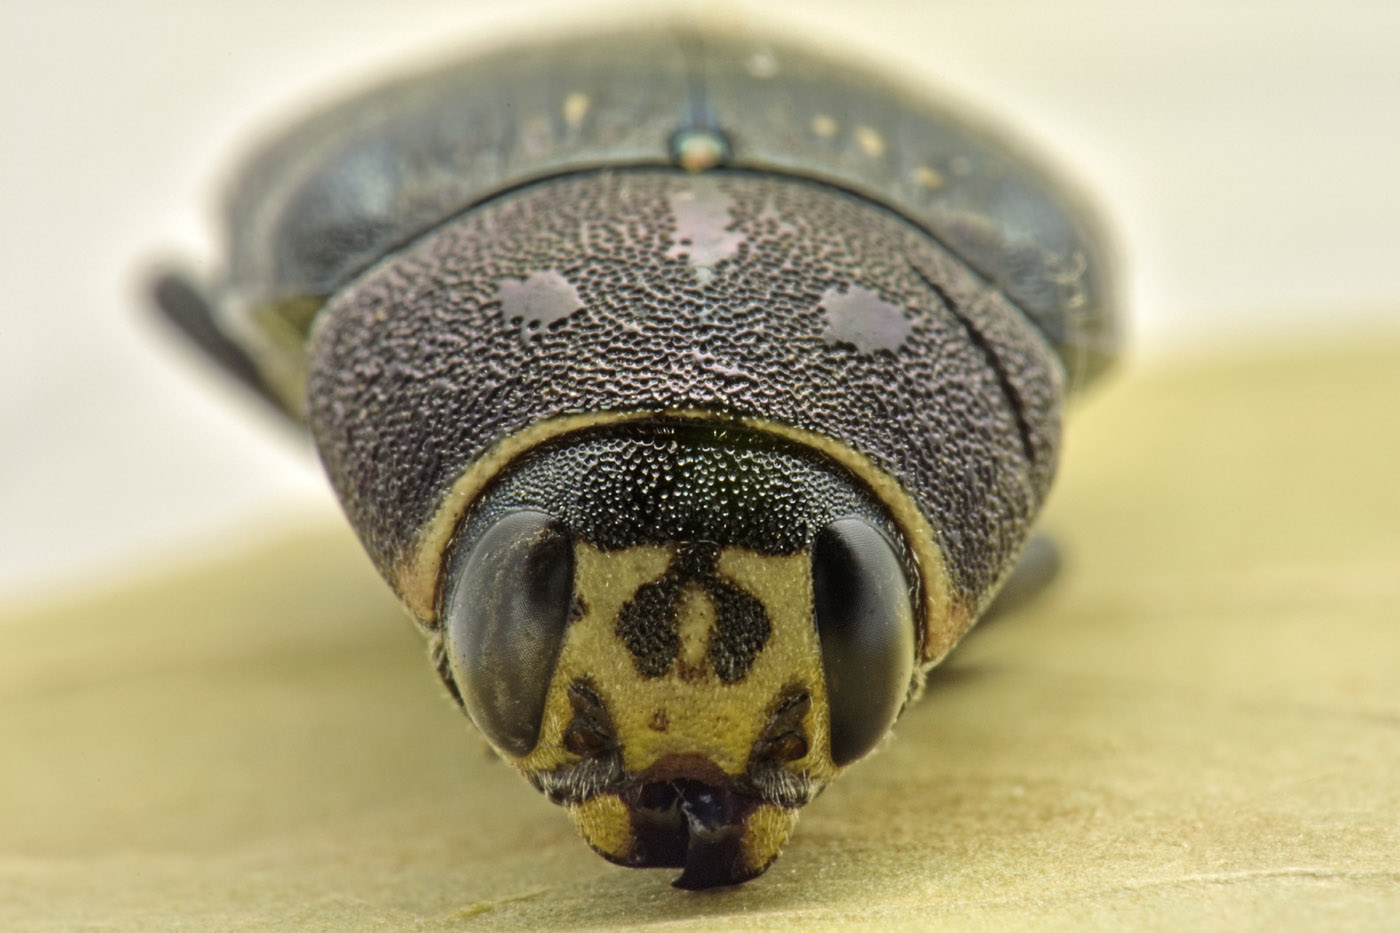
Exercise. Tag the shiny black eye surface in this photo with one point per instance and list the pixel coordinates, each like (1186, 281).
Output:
(865, 621)
(506, 609)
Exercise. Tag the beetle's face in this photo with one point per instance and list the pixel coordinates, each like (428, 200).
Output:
(684, 698)
(687, 719)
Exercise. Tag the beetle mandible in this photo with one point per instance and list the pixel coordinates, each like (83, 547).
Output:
(694, 393)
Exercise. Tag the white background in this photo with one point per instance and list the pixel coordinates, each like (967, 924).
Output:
(1246, 154)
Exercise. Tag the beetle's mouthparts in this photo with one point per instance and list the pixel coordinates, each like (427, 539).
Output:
(696, 826)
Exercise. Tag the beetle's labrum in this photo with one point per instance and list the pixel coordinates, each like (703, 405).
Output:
(695, 394)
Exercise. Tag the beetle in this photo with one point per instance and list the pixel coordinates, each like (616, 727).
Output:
(695, 394)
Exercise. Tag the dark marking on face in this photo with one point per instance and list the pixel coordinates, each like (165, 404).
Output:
(649, 622)
(590, 733)
(741, 629)
(862, 318)
(541, 299)
(784, 740)
(647, 625)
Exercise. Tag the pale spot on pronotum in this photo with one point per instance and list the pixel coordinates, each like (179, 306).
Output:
(537, 302)
(870, 141)
(702, 234)
(825, 126)
(575, 107)
(859, 317)
(762, 64)
(926, 177)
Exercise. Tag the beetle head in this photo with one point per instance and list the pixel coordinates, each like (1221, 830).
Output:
(682, 674)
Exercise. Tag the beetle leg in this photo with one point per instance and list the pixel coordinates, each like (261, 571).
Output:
(181, 303)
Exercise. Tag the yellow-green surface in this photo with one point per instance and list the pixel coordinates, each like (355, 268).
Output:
(1199, 725)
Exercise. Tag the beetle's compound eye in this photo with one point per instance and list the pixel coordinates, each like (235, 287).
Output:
(865, 620)
(506, 611)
